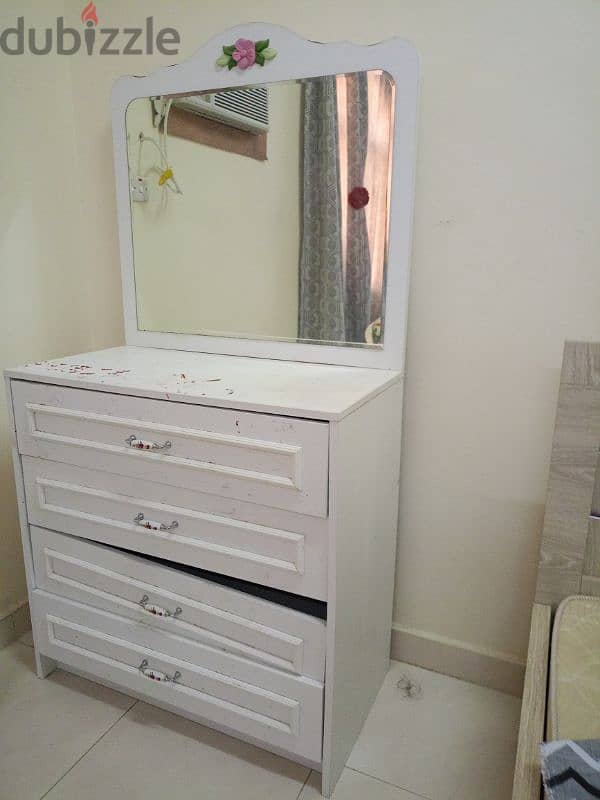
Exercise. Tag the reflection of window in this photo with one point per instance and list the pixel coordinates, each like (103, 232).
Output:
(235, 121)
(246, 109)
(377, 173)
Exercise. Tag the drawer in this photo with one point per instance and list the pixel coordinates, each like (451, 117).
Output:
(259, 458)
(244, 697)
(185, 606)
(267, 546)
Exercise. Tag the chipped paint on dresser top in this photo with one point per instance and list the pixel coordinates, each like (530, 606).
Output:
(317, 391)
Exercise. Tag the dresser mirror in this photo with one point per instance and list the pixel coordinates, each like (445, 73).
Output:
(265, 200)
(263, 211)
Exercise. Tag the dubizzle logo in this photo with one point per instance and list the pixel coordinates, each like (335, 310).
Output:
(17, 40)
(89, 17)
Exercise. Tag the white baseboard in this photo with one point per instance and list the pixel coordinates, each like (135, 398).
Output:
(14, 624)
(487, 668)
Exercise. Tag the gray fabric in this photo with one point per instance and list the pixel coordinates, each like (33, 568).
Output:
(335, 297)
(571, 770)
(321, 307)
(358, 257)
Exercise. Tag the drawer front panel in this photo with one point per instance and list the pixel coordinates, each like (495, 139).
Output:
(267, 546)
(183, 605)
(266, 704)
(259, 458)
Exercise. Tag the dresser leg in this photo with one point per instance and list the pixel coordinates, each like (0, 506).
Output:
(44, 665)
(325, 787)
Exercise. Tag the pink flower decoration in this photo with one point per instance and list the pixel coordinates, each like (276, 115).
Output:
(245, 53)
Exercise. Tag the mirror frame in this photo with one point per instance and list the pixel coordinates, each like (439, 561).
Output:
(296, 58)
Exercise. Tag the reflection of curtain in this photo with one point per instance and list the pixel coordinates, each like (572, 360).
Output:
(348, 125)
(358, 258)
(321, 310)
(377, 179)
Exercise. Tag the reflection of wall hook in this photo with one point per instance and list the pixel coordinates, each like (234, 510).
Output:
(167, 175)
(167, 178)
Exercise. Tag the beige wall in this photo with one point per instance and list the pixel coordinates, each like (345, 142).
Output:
(190, 278)
(505, 268)
(43, 298)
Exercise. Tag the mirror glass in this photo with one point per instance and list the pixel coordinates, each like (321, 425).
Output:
(263, 212)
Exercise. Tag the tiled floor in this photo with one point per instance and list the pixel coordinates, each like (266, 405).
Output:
(67, 739)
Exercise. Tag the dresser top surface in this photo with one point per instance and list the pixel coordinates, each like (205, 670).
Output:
(317, 391)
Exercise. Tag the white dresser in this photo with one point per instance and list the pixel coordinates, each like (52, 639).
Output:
(209, 519)
(236, 468)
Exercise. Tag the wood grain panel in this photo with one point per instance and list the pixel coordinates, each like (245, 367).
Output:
(591, 563)
(565, 533)
(590, 585)
(581, 364)
(595, 510)
(564, 550)
(527, 782)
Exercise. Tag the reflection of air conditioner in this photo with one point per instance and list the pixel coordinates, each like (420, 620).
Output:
(247, 109)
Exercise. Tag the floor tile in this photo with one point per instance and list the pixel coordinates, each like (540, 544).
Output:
(7, 632)
(355, 786)
(152, 755)
(27, 639)
(46, 725)
(22, 620)
(456, 741)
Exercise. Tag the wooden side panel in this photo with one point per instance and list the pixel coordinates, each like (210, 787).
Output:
(365, 464)
(591, 564)
(527, 783)
(572, 475)
(590, 580)
(581, 364)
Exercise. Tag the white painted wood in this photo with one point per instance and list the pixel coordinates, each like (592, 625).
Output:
(44, 665)
(162, 702)
(528, 774)
(297, 58)
(358, 482)
(262, 702)
(312, 391)
(268, 546)
(270, 470)
(254, 457)
(490, 668)
(365, 460)
(214, 615)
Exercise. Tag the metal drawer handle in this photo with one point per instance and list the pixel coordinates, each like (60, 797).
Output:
(142, 444)
(156, 675)
(154, 526)
(158, 611)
